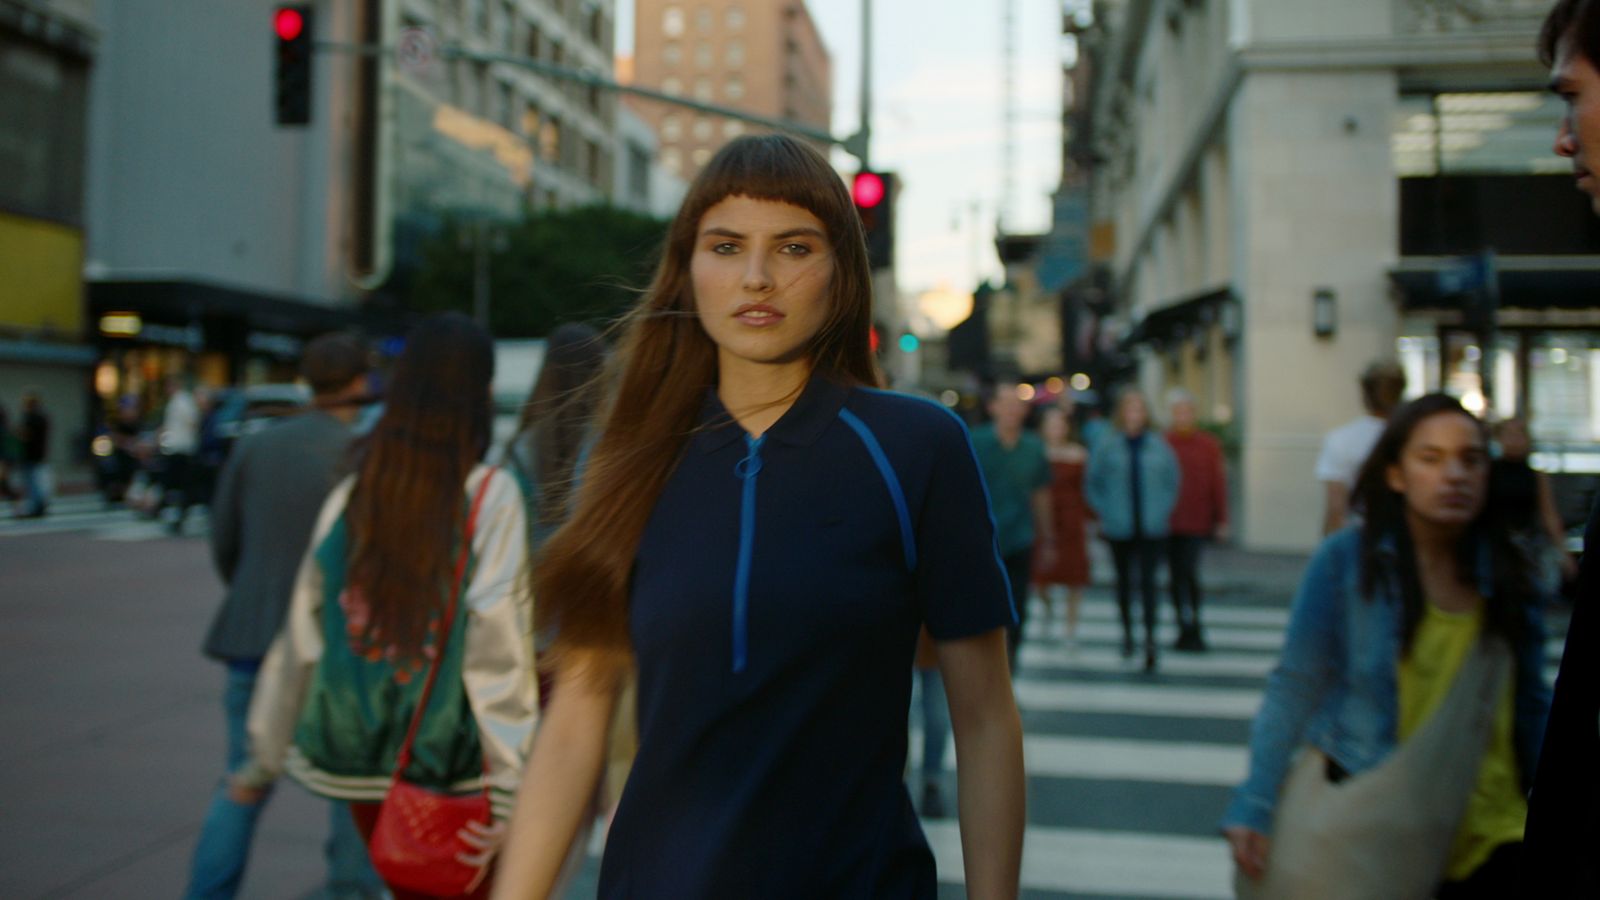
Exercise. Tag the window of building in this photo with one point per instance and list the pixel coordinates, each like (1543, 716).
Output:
(732, 129)
(42, 134)
(594, 98)
(672, 160)
(703, 56)
(508, 106)
(734, 89)
(735, 18)
(535, 39)
(481, 96)
(671, 128)
(595, 25)
(735, 53)
(638, 172)
(702, 129)
(530, 120)
(482, 15)
(1499, 133)
(702, 90)
(672, 21)
(508, 26)
(705, 20)
(550, 140)
(671, 54)
(1564, 386)
(591, 161)
(700, 157)
(672, 87)
(558, 53)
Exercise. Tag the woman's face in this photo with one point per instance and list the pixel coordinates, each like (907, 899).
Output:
(1053, 427)
(1443, 471)
(761, 272)
(1514, 443)
(1133, 415)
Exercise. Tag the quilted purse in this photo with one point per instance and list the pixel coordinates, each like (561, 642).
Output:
(416, 838)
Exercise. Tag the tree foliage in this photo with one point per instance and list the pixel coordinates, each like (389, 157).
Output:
(583, 264)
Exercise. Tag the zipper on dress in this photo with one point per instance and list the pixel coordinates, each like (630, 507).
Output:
(747, 469)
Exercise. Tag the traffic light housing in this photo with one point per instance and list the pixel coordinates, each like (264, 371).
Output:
(291, 39)
(873, 193)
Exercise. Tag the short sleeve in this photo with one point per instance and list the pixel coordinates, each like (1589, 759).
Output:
(1329, 465)
(961, 583)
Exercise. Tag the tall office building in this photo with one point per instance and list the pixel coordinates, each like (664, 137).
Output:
(764, 56)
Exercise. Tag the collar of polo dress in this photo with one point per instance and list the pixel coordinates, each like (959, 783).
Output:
(817, 406)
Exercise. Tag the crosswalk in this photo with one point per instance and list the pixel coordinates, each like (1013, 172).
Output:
(89, 513)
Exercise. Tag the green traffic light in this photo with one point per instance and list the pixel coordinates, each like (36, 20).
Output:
(909, 343)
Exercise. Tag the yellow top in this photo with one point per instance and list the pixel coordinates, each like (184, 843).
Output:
(1497, 811)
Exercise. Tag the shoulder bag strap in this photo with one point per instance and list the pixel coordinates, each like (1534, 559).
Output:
(404, 759)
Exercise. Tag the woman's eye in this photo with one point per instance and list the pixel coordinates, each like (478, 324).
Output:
(725, 248)
(796, 249)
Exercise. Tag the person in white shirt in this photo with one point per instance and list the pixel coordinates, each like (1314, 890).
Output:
(178, 440)
(1345, 448)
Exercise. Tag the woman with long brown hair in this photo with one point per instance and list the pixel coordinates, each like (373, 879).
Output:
(367, 621)
(762, 533)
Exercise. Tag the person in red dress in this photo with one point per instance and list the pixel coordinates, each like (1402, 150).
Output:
(1069, 569)
(1200, 516)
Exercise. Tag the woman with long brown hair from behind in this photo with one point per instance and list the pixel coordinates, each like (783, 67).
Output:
(341, 685)
(764, 533)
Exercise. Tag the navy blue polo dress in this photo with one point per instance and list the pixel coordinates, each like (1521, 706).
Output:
(776, 599)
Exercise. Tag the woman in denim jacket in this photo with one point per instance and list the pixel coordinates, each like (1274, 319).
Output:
(1383, 613)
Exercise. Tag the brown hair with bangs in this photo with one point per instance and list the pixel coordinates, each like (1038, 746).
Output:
(664, 365)
(1574, 23)
(407, 509)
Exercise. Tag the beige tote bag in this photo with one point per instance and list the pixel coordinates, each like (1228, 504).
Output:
(1385, 833)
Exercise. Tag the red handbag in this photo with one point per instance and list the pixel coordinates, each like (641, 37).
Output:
(416, 837)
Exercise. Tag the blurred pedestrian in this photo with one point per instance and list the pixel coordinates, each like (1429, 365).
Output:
(1200, 516)
(415, 573)
(8, 455)
(1131, 483)
(34, 454)
(265, 507)
(764, 534)
(1068, 568)
(1018, 475)
(1413, 669)
(178, 440)
(555, 426)
(1563, 823)
(1522, 494)
(1345, 448)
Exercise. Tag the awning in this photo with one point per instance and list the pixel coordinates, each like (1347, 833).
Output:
(182, 302)
(1176, 319)
(1526, 282)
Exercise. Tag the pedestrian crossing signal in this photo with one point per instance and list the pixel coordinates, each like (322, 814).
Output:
(291, 36)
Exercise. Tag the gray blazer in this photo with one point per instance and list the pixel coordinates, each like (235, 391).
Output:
(262, 515)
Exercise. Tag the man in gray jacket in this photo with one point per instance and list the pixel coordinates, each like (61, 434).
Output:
(262, 516)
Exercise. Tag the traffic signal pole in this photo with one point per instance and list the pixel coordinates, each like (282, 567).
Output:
(550, 70)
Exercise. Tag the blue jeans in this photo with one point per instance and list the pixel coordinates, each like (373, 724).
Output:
(224, 847)
(935, 724)
(33, 475)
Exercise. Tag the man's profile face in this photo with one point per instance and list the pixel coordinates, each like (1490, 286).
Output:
(1575, 79)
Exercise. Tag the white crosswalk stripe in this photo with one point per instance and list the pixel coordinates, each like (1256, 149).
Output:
(88, 513)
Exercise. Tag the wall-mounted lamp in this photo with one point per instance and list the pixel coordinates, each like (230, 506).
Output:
(1231, 319)
(1324, 312)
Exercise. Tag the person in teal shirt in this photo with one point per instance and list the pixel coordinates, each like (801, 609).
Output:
(1017, 473)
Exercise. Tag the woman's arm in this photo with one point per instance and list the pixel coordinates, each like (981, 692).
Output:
(497, 669)
(559, 784)
(991, 784)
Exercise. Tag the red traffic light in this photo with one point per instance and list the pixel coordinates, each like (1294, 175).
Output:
(288, 23)
(867, 189)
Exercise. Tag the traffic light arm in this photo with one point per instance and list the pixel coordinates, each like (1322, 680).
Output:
(566, 73)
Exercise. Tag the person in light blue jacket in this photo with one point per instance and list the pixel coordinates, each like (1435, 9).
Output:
(1132, 484)
(1385, 614)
